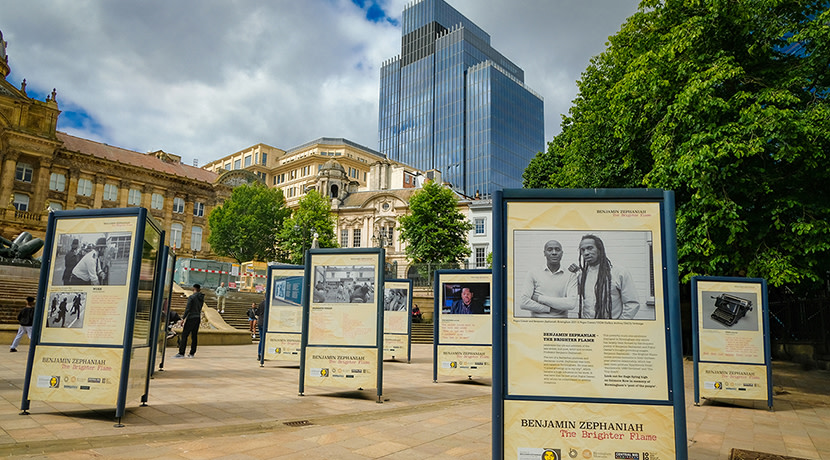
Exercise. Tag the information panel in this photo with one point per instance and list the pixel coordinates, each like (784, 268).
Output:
(588, 360)
(731, 339)
(343, 319)
(93, 328)
(397, 319)
(463, 327)
(284, 315)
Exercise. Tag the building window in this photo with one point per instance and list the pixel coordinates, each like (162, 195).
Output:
(199, 209)
(344, 238)
(178, 205)
(479, 225)
(227, 166)
(134, 197)
(157, 202)
(481, 257)
(23, 172)
(356, 238)
(110, 192)
(248, 160)
(57, 182)
(21, 202)
(237, 164)
(264, 158)
(196, 238)
(84, 187)
(176, 235)
(55, 206)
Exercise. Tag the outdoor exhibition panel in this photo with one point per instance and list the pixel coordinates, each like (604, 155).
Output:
(463, 329)
(93, 329)
(342, 337)
(730, 334)
(587, 351)
(284, 315)
(397, 319)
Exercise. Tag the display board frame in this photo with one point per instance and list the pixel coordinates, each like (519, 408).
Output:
(732, 356)
(280, 329)
(462, 342)
(560, 381)
(342, 340)
(168, 270)
(392, 334)
(104, 355)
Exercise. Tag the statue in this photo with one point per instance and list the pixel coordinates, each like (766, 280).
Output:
(21, 249)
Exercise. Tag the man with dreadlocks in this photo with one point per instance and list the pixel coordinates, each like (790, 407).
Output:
(605, 291)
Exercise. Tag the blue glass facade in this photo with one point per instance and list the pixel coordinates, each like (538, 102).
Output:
(453, 103)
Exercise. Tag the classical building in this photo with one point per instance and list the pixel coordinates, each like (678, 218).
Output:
(42, 169)
(452, 103)
(295, 171)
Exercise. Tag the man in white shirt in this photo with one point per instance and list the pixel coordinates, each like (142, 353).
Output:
(550, 292)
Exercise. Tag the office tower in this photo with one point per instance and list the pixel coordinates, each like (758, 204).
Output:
(451, 102)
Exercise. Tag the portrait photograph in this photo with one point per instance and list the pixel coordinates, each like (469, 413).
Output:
(344, 284)
(471, 298)
(91, 259)
(66, 309)
(583, 274)
(395, 299)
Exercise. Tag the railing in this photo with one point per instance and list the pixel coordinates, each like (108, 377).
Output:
(800, 320)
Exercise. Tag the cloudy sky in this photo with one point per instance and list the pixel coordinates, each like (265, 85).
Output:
(206, 78)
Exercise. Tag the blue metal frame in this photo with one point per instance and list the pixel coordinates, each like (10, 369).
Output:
(267, 309)
(309, 255)
(764, 319)
(170, 264)
(142, 220)
(409, 315)
(436, 309)
(674, 356)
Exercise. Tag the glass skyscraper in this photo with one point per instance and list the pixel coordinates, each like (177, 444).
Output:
(451, 102)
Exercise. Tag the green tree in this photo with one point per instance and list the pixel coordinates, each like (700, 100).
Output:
(313, 215)
(245, 227)
(726, 103)
(435, 231)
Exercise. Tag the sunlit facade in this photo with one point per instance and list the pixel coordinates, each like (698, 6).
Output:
(451, 102)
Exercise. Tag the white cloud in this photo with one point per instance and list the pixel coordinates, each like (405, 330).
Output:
(205, 78)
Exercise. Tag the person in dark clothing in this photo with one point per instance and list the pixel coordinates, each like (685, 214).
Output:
(260, 315)
(192, 320)
(62, 312)
(70, 260)
(25, 318)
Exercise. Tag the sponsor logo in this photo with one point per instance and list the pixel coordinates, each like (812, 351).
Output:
(718, 385)
(54, 381)
(93, 380)
(85, 387)
(572, 452)
(453, 364)
(71, 387)
(324, 372)
(626, 456)
(587, 453)
(551, 454)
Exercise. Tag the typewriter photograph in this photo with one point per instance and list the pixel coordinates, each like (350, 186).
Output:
(730, 310)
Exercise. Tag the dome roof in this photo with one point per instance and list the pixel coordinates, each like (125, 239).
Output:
(332, 164)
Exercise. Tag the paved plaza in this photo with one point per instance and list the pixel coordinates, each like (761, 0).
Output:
(223, 405)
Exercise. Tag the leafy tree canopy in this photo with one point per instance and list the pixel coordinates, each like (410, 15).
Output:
(244, 228)
(312, 216)
(435, 231)
(726, 103)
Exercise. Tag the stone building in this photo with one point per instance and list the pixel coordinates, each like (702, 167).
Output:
(42, 169)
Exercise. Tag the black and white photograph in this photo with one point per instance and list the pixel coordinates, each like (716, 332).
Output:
(733, 311)
(97, 259)
(344, 284)
(395, 299)
(583, 275)
(66, 309)
(471, 298)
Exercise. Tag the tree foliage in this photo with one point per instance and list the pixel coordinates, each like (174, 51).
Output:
(313, 215)
(435, 231)
(726, 103)
(245, 227)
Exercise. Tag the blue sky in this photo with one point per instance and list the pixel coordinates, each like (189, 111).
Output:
(206, 78)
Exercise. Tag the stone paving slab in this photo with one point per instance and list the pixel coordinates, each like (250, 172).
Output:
(222, 404)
